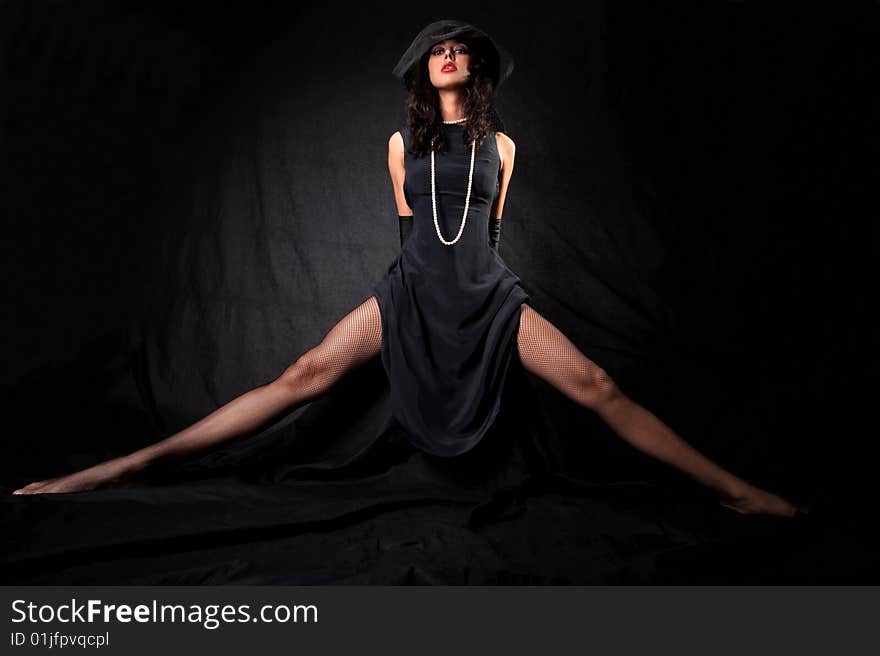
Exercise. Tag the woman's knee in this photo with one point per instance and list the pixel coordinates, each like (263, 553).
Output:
(309, 372)
(597, 388)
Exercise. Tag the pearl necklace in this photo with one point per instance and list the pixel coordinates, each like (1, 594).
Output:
(467, 200)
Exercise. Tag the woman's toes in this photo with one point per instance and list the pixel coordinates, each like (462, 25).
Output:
(30, 487)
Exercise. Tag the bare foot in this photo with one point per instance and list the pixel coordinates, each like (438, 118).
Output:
(751, 500)
(103, 473)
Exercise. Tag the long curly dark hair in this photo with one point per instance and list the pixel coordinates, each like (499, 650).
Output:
(423, 116)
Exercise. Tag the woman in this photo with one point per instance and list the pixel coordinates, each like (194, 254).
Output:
(448, 314)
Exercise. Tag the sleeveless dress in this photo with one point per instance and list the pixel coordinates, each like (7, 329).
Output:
(450, 314)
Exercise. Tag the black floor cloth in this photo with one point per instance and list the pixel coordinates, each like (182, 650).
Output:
(332, 497)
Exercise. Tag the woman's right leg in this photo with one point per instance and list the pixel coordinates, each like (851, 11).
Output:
(350, 343)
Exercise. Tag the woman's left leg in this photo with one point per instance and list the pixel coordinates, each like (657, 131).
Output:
(547, 353)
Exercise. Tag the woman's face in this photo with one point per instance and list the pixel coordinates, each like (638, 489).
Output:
(449, 63)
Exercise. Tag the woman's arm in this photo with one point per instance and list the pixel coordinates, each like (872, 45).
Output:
(506, 152)
(398, 173)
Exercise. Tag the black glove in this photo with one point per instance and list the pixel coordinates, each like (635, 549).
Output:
(406, 226)
(494, 232)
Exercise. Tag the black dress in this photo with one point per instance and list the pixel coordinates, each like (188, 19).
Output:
(450, 314)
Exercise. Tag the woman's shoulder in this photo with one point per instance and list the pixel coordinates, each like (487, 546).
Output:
(396, 141)
(506, 147)
(502, 139)
(399, 137)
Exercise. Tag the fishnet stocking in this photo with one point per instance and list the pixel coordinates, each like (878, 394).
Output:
(356, 338)
(546, 352)
(348, 344)
(550, 355)
(352, 341)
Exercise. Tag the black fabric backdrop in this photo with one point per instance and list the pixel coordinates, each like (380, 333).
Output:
(194, 193)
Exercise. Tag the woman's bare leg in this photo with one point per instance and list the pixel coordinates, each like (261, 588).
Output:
(349, 344)
(546, 352)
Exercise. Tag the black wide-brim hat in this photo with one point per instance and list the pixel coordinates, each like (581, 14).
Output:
(500, 63)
